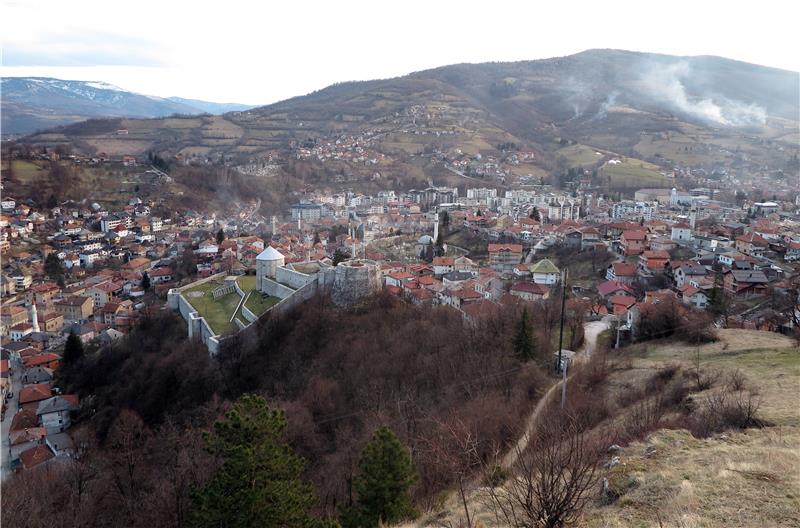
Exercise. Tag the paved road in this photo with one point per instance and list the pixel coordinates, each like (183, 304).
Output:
(591, 330)
(11, 409)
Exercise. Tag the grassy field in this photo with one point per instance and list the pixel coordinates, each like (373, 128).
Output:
(634, 173)
(258, 302)
(738, 478)
(580, 155)
(217, 312)
(25, 171)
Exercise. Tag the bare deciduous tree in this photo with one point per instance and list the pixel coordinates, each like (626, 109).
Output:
(550, 480)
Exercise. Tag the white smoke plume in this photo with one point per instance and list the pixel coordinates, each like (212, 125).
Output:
(610, 101)
(665, 83)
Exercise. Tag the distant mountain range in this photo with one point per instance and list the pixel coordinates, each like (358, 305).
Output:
(563, 111)
(35, 103)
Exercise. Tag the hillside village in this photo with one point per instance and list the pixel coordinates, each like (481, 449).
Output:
(94, 272)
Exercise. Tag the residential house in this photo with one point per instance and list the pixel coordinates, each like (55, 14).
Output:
(503, 257)
(745, 283)
(35, 456)
(51, 322)
(529, 291)
(75, 308)
(24, 433)
(752, 244)
(37, 375)
(398, 278)
(653, 262)
(792, 251)
(45, 293)
(681, 232)
(55, 413)
(442, 265)
(20, 331)
(610, 288)
(114, 310)
(61, 444)
(633, 242)
(688, 271)
(545, 272)
(693, 296)
(30, 396)
(140, 264)
(13, 315)
(105, 292)
(621, 271)
(589, 236)
(47, 360)
(161, 275)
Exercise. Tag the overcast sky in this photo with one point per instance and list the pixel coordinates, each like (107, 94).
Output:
(261, 51)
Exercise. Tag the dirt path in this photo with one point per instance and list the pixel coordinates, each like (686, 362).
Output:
(591, 331)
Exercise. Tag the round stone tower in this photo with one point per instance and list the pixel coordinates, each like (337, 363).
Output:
(354, 280)
(267, 264)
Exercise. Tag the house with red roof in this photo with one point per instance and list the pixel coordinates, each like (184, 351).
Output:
(792, 251)
(35, 456)
(752, 244)
(503, 257)
(398, 278)
(529, 291)
(653, 262)
(693, 296)
(46, 360)
(620, 304)
(30, 396)
(610, 288)
(633, 242)
(621, 271)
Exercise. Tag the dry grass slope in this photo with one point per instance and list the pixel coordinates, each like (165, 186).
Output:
(741, 479)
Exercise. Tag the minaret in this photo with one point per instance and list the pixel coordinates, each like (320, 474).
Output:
(34, 317)
(436, 228)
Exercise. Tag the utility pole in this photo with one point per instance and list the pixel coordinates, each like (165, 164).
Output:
(561, 364)
(563, 301)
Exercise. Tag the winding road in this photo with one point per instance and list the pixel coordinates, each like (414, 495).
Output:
(591, 330)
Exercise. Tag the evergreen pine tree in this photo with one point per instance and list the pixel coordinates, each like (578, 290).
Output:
(73, 349)
(145, 281)
(53, 267)
(220, 236)
(260, 480)
(385, 474)
(523, 338)
(338, 257)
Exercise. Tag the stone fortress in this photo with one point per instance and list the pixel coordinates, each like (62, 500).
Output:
(293, 283)
(349, 282)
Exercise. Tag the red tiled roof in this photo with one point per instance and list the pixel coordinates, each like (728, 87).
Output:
(34, 393)
(35, 456)
(608, 287)
(515, 248)
(634, 235)
(623, 269)
(529, 287)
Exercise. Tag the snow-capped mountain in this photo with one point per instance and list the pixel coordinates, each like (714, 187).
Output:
(33, 103)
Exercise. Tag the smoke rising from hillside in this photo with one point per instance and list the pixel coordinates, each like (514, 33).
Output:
(665, 83)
